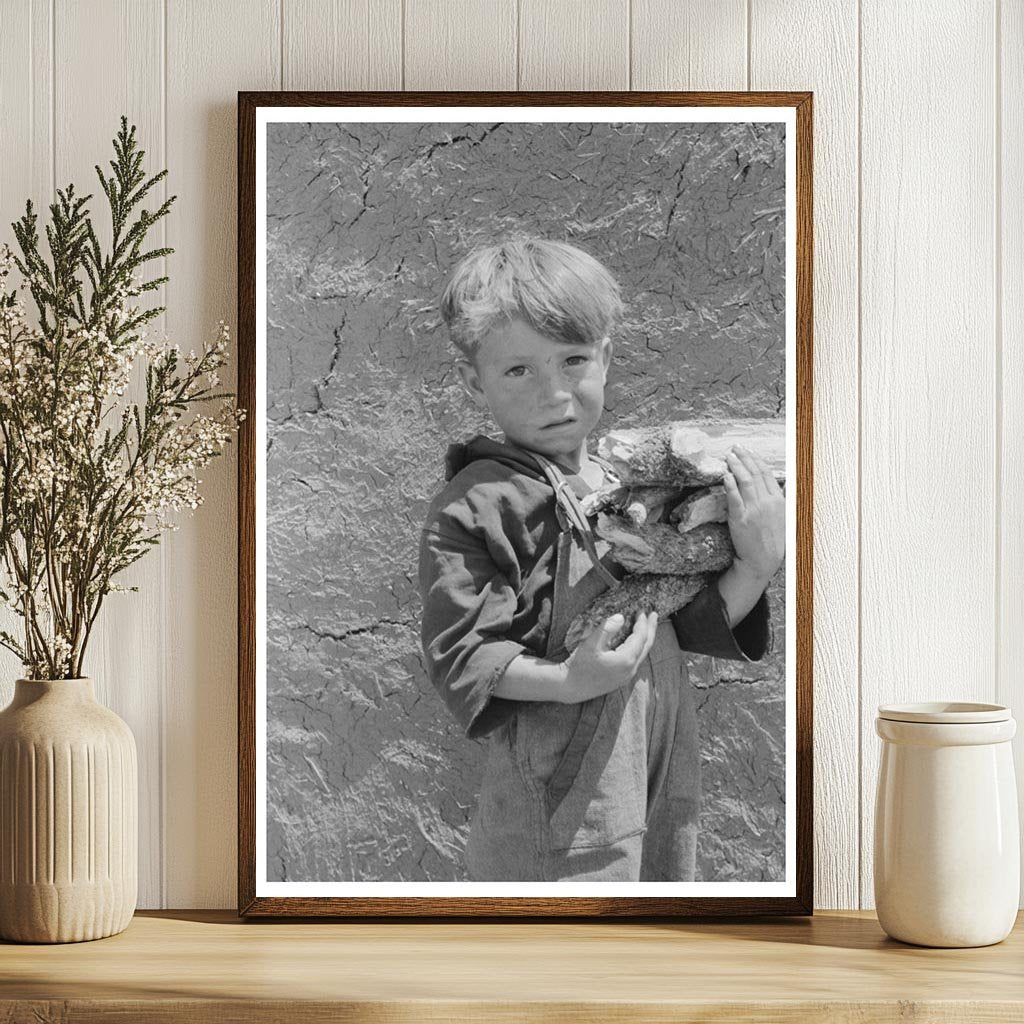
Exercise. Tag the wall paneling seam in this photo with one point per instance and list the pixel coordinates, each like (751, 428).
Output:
(749, 46)
(519, 36)
(165, 674)
(858, 475)
(53, 100)
(629, 43)
(32, 91)
(997, 216)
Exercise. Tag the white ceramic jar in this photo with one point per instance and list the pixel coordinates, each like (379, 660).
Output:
(947, 845)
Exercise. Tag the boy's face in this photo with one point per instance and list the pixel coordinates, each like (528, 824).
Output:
(544, 394)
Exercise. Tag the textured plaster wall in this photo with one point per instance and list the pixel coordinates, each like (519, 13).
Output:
(368, 778)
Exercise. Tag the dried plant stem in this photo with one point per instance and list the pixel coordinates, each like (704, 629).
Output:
(86, 481)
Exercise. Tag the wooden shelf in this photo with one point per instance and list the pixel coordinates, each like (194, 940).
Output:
(200, 966)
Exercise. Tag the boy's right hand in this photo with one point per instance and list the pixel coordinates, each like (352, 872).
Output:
(595, 668)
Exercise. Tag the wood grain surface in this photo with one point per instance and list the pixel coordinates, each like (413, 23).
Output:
(207, 965)
(916, 333)
(832, 65)
(1010, 363)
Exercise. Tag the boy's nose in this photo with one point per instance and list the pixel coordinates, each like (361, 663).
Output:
(554, 388)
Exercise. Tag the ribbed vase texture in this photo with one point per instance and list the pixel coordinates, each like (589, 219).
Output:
(68, 815)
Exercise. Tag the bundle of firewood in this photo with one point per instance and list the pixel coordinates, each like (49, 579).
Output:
(665, 517)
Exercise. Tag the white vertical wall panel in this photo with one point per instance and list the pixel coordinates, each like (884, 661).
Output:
(26, 111)
(125, 655)
(342, 44)
(928, 401)
(574, 44)
(781, 59)
(1010, 263)
(26, 172)
(213, 51)
(468, 45)
(700, 44)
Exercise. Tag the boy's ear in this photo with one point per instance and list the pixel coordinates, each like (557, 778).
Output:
(471, 381)
(606, 354)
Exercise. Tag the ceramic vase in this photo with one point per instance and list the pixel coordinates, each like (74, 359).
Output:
(947, 845)
(68, 815)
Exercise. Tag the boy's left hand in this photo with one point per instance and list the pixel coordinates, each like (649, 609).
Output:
(757, 514)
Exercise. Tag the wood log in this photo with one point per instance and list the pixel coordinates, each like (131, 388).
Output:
(681, 462)
(646, 503)
(660, 548)
(707, 505)
(608, 495)
(637, 503)
(691, 453)
(635, 594)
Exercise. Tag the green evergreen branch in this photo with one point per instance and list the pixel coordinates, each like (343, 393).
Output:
(76, 496)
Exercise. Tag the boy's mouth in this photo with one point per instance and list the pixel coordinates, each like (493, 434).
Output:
(560, 423)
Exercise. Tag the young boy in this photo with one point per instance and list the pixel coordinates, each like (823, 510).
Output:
(593, 766)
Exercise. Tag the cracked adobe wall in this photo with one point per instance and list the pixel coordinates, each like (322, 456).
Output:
(368, 778)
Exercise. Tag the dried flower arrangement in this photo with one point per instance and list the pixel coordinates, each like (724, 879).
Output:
(87, 479)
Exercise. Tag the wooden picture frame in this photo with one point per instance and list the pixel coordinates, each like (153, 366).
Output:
(358, 896)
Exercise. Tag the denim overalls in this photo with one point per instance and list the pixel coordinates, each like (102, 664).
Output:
(603, 790)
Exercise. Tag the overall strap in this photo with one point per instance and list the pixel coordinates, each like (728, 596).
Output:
(604, 464)
(566, 498)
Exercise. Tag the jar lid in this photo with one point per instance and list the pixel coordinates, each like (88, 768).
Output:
(944, 712)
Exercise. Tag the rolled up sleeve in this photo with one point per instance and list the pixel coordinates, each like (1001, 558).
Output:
(468, 609)
(702, 627)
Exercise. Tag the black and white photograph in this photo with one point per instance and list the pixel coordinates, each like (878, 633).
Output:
(524, 469)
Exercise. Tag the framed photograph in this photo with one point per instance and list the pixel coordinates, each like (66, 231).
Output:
(525, 504)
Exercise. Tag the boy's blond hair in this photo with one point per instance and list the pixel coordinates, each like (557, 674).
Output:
(557, 288)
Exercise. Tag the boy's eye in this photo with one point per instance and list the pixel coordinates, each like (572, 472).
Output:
(514, 371)
(582, 359)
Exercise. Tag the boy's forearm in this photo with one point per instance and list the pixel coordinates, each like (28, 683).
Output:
(740, 591)
(530, 678)
(527, 677)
